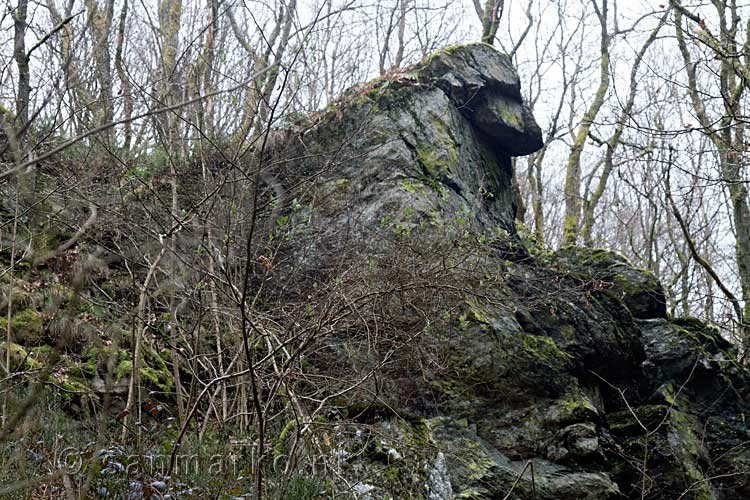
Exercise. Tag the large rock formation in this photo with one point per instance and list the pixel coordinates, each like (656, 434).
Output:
(429, 348)
(549, 375)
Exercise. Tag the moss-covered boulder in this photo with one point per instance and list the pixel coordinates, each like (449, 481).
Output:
(690, 351)
(557, 366)
(678, 458)
(26, 327)
(480, 472)
(20, 358)
(109, 370)
(639, 289)
(411, 152)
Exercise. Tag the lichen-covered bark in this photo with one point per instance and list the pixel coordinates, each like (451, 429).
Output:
(571, 191)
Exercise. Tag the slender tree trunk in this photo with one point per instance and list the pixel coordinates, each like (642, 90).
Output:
(591, 204)
(17, 130)
(139, 329)
(22, 63)
(490, 16)
(399, 58)
(170, 15)
(126, 86)
(100, 23)
(572, 195)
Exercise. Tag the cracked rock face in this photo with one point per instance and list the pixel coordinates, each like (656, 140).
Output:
(484, 85)
(571, 379)
(437, 139)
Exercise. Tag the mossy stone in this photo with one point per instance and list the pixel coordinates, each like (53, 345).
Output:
(26, 327)
(20, 358)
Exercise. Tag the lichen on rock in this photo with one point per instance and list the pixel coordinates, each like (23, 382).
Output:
(483, 368)
(561, 366)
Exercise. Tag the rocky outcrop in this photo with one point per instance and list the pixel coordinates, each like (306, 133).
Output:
(550, 375)
(485, 87)
(638, 289)
(427, 347)
(437, 138)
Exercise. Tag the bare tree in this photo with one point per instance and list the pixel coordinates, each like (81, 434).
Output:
(489, 15)
(725, 128)
(591, 201)
(573, 203)
(21, 57)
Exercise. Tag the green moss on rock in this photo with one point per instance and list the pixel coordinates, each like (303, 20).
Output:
(20, 358)
(637, 288)
(26, 327)
(155, 372)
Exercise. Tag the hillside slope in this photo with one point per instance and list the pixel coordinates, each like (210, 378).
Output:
(411, 341)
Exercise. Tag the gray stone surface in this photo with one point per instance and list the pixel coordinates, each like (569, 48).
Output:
(576, 369)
